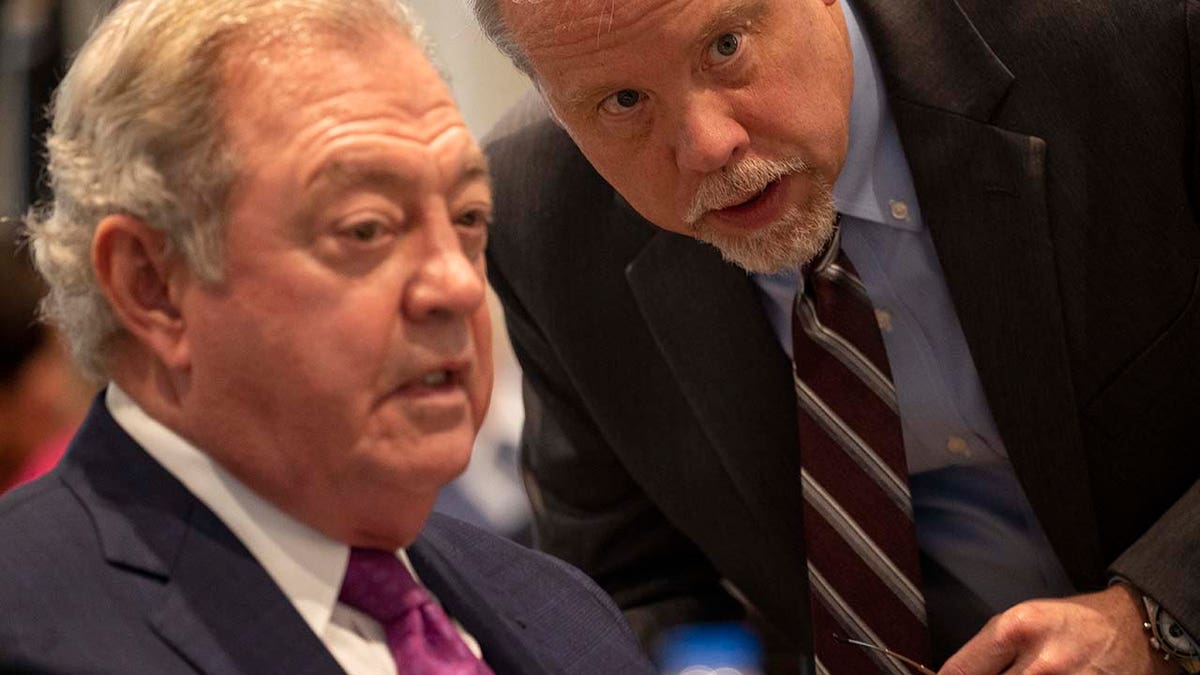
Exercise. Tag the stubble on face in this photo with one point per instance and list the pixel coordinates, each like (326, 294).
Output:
(792, 240)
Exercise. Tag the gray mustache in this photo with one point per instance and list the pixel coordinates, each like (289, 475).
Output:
(738, 183)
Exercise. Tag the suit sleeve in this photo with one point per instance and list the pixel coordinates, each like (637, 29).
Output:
(1165, 562)
(587, 508)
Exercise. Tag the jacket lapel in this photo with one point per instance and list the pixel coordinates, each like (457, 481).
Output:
(205, 595)
(222, 608)
(931, 54)
(707, 319)
(500, 631)
(982, 192)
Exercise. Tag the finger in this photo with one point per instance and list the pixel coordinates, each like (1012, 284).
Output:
(1025, 665)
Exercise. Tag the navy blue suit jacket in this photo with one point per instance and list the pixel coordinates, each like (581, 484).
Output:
(110, 565)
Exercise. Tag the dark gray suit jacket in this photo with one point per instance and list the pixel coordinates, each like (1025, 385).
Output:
(1054, 151)
(110, 565)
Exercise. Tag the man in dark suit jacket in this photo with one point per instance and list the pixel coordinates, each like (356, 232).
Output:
(1054, 152)
(112, 565)
(267, 236)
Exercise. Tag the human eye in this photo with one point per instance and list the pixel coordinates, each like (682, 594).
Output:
(365, 229)
(475, 219)
(623, 102)
(472, 224)
(724, 48)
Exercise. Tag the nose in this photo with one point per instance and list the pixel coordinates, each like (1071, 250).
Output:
(449, 279)
(709, 136)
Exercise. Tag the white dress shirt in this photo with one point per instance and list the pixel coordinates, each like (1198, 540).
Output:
(307, 565)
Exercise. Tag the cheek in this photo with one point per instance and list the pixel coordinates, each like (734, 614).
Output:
(818, 130)
(647, 178)
(637, 167)
(481, 394)
(334, 343)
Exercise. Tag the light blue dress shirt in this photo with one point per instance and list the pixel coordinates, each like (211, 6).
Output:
(972, 515)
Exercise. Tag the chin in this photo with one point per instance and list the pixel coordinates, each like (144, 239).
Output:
(388, 534)
(444, 460)
(784, 245)
(789, 243)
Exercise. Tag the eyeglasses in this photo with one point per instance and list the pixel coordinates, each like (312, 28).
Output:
(924, 670)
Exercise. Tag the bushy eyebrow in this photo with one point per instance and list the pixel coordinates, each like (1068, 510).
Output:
(474, 168)
(343, 174)
(732, 12)
(740, 11)
(575, 99)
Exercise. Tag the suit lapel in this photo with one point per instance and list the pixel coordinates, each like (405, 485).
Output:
(707, 319)
(500, 632)
(222, 608)
(931, 54)
(982, 192)
(205, 595)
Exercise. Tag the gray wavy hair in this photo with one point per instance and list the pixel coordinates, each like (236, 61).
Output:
(491, 21)
(137, 130)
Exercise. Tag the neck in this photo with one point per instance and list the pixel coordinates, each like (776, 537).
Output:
(156, 390)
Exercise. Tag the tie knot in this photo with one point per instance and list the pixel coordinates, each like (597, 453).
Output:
(380, 586)
(819, 266)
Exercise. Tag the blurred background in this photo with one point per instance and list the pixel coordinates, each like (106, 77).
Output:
(41, 399)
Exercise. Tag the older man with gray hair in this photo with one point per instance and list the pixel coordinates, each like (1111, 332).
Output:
(267, 237)
(867, 319)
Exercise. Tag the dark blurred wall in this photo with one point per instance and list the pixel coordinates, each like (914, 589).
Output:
(37, 38)
(30, 59)
(41, 396)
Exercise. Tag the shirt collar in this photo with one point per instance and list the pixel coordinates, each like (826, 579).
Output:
(306, 565)
(875, 172)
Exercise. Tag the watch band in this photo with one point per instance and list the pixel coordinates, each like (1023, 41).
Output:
(1168, 638)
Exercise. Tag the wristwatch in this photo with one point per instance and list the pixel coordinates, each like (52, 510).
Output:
(1169, 638)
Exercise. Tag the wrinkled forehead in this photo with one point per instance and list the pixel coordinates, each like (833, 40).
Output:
(261, 53)
(284, 73)
(286, 95)
(533, 18)
(547, 28)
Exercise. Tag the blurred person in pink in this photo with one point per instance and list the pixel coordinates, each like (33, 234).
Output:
(42, 398)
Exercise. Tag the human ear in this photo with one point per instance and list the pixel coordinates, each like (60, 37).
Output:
(142, 281)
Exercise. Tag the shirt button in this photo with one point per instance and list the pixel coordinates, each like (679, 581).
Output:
(958, 446)
(899, 209)
(884, 319)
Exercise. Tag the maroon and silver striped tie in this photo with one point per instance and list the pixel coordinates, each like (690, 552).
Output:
(863, 569)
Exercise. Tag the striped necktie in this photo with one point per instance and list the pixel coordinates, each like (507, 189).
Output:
(863, 569)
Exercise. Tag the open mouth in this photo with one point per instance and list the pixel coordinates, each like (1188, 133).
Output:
(757, 196)
(437, 378)
(752, 202)
(446, 378)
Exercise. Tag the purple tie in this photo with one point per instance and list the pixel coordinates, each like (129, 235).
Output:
(419, 634)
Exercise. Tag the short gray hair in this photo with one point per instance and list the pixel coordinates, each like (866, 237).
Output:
(491, 21)
(137, 130)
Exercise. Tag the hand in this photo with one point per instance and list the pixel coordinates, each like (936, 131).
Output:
(1097, 633)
